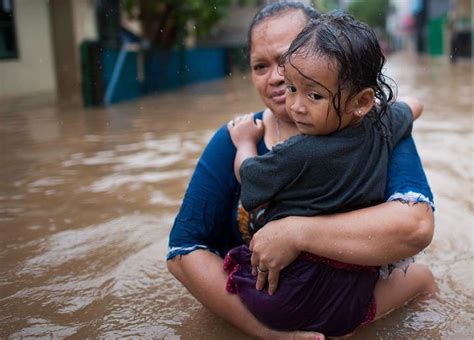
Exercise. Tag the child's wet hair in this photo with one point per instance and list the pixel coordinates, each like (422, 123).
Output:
(354, 48)
(278, 8)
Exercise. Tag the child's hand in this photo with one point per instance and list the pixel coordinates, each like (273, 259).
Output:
(414, 104)
(244, 130)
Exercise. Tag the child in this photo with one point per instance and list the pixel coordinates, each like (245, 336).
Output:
(340, 102)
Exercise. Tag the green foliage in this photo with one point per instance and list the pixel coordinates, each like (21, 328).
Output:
(325, 6)
(166, 23)
(372, 12)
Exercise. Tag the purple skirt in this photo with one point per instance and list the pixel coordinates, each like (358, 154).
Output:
(313, 294)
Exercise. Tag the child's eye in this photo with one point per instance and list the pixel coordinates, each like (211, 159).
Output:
(291, 88)
(315, 96)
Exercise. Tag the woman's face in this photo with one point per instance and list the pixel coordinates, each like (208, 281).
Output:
(269, 40)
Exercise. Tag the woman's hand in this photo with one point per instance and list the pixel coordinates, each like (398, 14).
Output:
(273, 248)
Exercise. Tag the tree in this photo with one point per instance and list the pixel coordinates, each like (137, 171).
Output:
(325, 6)
(372, 12)
(166, 23)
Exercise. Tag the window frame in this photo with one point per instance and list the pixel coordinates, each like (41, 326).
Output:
(14, 53)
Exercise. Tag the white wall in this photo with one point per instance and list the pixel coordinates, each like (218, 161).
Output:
(84, 20)
(33, 71)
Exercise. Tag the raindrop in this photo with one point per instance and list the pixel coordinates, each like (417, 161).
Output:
(194, 27)
(370, 237)
(339, 252)
(215, 7)
(230, 73)
(161, 30)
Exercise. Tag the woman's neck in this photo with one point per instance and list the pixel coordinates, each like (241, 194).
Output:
(277, 130)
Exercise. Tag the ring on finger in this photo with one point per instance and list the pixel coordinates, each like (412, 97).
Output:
(260, 270)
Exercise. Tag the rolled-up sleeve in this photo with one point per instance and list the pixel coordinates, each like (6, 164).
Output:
(407, 180)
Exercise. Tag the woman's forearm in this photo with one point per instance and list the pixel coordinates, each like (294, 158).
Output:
(202, 274)
(376, 235)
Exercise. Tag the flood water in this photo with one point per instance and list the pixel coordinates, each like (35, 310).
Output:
(88, 196)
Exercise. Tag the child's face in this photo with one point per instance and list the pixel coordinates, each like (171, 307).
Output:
(309, 97)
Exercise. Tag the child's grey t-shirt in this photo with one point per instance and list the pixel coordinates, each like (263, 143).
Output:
(311, 175)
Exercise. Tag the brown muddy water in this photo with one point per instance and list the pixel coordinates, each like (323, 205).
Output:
(88, 196)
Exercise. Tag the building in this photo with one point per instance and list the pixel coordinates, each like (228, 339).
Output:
(78, 51)
(39, 46)
(435, 27)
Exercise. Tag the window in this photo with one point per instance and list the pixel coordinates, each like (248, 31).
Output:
(8, 46)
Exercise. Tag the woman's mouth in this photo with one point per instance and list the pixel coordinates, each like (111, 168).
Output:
(279, 96)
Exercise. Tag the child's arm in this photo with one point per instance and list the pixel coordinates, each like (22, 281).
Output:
(414, 104)
(245, 134)
(402, 114)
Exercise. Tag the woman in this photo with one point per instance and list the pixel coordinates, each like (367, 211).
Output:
(206, 227)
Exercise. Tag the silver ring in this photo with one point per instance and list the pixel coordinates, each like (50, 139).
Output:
(261, 270)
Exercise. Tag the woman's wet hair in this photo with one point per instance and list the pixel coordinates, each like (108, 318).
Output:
(353, 48)
(275, 9)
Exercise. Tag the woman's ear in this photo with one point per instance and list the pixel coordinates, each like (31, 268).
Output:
(363, 102)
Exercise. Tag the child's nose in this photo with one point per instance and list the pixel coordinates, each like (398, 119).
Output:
(298, 106)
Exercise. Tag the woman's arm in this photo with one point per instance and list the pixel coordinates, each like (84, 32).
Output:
(376, 235)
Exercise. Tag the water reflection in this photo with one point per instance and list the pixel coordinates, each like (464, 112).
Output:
(87, 198)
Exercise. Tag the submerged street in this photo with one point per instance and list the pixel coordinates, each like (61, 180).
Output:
(88, 197)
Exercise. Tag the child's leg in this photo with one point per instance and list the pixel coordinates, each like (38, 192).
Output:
(399, 288)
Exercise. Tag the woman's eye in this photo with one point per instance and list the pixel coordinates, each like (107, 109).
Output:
(259, 67)
(290, 88)
(315, 96)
